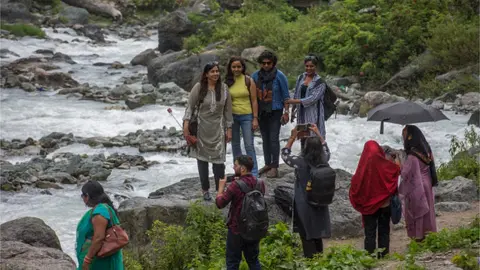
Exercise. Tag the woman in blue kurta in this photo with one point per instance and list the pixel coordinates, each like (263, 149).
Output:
(92, 227)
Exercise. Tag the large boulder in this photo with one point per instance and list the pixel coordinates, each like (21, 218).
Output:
(475, 118)
(144, 57)
(171, 94)
(74, 15)
(471, 99)
(17, 255)
(185, 71)
(172, 29)
(138, 214)
(459, 189)
(170, 205)
(16, 10)
(29, 230)
(371, 100)
(141, 100)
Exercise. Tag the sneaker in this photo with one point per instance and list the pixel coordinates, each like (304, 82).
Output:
(272, 173)
(206, 196)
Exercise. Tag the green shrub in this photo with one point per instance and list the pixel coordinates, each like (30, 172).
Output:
(467, 260)
(378, 43)
(22, 30)
(167, 5)
(462, 164)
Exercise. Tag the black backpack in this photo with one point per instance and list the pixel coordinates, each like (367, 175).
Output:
(329, 99)
(321, 186)
(253, 221)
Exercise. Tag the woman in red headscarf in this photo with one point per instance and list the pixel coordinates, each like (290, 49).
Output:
(374, 183)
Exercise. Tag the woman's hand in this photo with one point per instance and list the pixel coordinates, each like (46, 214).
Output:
(293, 101)
(255, 123)
(228, 135)
(314, 128)
(294, 133)
(85, 266)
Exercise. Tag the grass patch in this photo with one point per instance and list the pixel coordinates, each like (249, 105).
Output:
(22, 30)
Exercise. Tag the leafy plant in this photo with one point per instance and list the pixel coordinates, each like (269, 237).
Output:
(463, 164)
(467, 260)
(22, 30)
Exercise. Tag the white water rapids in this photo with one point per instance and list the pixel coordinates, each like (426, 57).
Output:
(24, 115)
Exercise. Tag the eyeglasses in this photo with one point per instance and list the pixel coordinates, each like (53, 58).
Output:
(266, 63)
(212, 63)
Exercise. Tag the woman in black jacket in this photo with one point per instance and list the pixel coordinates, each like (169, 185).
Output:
(312, 223)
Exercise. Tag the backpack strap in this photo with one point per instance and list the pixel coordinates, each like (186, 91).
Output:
(243, 187)
(258, 186)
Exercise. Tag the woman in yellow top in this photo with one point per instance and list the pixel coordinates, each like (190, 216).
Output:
(244, 108)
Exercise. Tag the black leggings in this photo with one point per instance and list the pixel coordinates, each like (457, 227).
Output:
(310, 247)
(218, 173)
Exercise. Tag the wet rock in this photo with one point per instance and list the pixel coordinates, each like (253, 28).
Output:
(60, 57)
(47, 185)
(59, 177)
(172, 94)
(141, 100)
(144, 57)
(31, 231)
(475, 118)
(121, 91)
(28, 87)
(148, 88)
(45, 52)
(5, 52)
(172, 29)
(56, 140)
(471, 99)
(459, 189)
(117, 65)
(91, 31)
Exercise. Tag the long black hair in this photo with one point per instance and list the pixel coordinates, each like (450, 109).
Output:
(313, 152)
(230, 78)
(416, 144)
(204, 82)
(95, 193)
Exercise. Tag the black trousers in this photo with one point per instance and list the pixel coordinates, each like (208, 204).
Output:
(218, 173)
(310, 247)
(270, 129)
(380, 220)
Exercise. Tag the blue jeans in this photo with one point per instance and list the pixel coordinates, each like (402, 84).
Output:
(235, 246)
(244, 122)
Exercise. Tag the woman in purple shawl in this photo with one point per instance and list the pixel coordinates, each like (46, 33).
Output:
(416, 188)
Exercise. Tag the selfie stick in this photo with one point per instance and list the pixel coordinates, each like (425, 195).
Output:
(170, 112)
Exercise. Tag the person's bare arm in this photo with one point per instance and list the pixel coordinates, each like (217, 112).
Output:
(99, 227)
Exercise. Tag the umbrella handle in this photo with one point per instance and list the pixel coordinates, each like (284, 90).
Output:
(381, 124)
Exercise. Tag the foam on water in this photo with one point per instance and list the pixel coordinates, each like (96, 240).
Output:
(24, 115)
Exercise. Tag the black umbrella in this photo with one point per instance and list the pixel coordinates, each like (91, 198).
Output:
(405, 112)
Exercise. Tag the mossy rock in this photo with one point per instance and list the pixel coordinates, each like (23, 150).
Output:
(364, 108)
(7, 187)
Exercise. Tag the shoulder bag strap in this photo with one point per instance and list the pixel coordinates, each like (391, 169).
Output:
(243, 187)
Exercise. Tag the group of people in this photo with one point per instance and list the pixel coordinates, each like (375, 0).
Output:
(234, 109)
(218, 113)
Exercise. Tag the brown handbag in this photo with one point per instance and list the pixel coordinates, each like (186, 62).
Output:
(115, 239)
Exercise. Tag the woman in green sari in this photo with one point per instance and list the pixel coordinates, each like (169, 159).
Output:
(91, 230)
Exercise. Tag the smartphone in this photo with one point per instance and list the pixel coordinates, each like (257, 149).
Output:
(303, 127)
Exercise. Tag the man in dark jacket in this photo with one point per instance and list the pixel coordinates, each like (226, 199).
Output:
(235, 243)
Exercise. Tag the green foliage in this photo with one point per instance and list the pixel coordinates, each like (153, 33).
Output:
(377, 43)
(429, 86)
(342, 257)
(167, 5)
(200, 245)
(130, 263)
(462, 164)
(22, 30)
(445, 239)
(467, 260)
